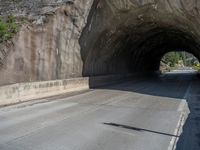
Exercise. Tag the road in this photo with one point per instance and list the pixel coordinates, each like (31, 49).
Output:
(139, 114)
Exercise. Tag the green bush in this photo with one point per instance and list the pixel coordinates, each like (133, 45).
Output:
(196, 66)
(8, 27)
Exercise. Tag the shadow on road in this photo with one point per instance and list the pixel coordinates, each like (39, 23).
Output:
(138, 129)
(168, 85)
(190, 137)
(171, 86)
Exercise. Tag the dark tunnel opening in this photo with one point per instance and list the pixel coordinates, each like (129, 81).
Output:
(160, 42)
(135, 49)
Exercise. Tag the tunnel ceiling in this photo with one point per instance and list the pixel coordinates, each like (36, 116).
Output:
(125, 36)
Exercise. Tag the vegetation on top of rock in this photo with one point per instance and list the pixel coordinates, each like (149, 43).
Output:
(8, 27)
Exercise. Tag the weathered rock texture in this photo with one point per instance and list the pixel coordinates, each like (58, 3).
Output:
(47, 50)
(121, 36)
(30, 7)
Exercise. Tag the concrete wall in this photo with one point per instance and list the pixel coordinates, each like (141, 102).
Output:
(21, 92)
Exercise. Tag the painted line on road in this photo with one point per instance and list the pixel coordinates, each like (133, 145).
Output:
(174, 140)
(181, 122)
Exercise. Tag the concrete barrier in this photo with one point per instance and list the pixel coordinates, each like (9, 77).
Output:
(22, 92)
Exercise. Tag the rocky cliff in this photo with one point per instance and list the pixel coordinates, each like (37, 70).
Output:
(46, 48)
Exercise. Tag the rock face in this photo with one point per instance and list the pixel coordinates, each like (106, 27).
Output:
(96, 37)
(46, 50)
(29, 7)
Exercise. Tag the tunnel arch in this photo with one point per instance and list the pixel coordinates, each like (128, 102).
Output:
(126, 51)
(134, 40)
(161, 41)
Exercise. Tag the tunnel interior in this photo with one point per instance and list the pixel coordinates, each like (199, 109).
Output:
(126, 42)
(121, 52)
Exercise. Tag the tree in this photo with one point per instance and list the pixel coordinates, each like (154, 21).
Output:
(173, 58)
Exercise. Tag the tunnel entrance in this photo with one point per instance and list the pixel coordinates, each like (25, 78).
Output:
(179, 61)
(131, 50)
(123, 39)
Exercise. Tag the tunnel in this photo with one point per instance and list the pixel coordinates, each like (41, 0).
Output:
(85, 75)
(100, 37)
(132, 37)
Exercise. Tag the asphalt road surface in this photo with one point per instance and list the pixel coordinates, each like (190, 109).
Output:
(142, 114)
